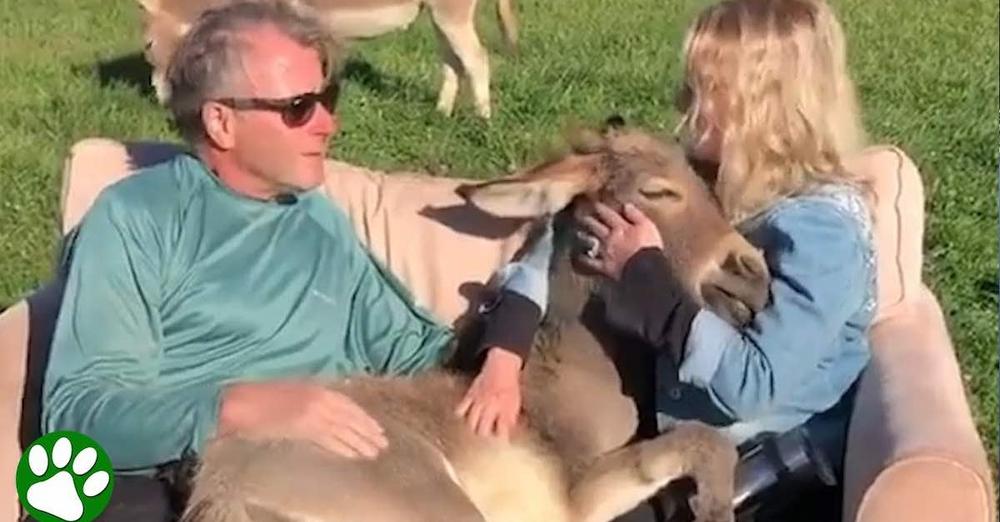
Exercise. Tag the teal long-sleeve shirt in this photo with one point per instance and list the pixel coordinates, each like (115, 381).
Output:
(178, 286)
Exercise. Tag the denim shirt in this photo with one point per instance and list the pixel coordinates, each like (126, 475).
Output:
(801, 353)
(806, 348)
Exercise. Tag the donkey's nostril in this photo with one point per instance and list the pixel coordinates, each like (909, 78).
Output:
(754, 264)
(742, 279)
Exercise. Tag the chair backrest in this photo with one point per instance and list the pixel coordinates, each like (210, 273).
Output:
(899, 212)
(899, 224)
(459, 246)
(13, 361)
(95, 163)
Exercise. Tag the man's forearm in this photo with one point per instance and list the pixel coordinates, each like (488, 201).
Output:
(140, 428)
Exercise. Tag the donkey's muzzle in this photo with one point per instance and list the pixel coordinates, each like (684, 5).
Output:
(739, 287)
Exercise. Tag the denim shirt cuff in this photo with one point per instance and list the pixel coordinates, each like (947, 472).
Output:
(709, 337)
(526, 281)
(529, 276)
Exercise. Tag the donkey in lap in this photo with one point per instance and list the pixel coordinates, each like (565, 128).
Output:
(575, 456)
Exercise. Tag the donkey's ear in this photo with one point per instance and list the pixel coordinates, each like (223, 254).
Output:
(520, 198)
(528, 197)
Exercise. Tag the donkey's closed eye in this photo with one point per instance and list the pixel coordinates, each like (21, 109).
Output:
(658, 193)
(658, 189)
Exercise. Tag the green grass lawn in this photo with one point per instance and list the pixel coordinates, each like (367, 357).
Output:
(927, 74)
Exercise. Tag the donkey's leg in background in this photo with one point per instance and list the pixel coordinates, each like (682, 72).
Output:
(458, 27)
(451, 68)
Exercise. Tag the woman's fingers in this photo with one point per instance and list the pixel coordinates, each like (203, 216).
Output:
(475, 414)
(507, 419)
(633, 215)
(595, 227)
(484, 426)
(592, 264)
(463, 407)
(610, 218)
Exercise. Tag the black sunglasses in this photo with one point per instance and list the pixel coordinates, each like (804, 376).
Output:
(296, 110)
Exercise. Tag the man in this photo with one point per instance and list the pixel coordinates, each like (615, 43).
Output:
(202, 290)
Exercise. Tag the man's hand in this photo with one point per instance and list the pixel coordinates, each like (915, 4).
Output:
(493, 402)
(301, 410)
(621, 236)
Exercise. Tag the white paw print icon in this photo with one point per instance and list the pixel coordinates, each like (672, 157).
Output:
(58, 495)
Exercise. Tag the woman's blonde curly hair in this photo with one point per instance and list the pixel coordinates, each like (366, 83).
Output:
(776, 70)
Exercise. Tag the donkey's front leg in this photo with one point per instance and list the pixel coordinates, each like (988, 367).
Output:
(623, 478)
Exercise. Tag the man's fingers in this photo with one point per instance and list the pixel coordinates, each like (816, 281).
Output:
(352, 412)
(334, 444)
(357, 421)
(357, 440)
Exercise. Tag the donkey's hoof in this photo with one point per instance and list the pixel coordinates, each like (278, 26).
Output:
(710, 507)
(710, 460)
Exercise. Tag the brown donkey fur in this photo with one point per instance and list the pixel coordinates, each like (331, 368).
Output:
(167, 21)
(576, 454)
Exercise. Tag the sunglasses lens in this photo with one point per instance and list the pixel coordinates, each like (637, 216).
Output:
(299, 111)
(330, 97)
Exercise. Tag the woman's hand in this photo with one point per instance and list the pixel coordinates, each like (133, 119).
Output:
(493, 402)
(620, 236)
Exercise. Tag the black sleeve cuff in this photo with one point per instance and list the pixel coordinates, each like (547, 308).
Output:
(649, 303)
(511, 325)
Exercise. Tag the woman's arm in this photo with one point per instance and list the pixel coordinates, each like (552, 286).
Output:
(512, 320)
(819, 278)
(493, 401)
(821, 274)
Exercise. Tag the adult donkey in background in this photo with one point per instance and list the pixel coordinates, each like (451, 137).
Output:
(165, 22)
(575, 456)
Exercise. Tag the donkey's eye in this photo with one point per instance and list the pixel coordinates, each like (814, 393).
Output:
(658, 191)
(658, 188)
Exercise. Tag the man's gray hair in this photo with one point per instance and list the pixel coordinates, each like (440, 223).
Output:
(207, 59)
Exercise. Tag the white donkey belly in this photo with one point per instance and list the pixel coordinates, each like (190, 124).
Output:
(356, 23)
(511, 483)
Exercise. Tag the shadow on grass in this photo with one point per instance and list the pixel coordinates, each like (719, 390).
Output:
(989, 287)
(364, 74)
(130, 70)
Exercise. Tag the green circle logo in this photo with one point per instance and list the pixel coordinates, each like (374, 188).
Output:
(64, 477)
